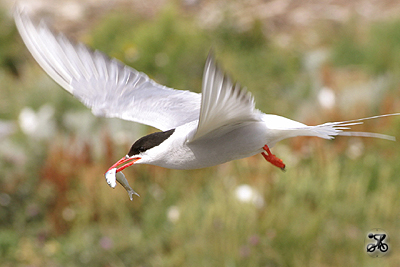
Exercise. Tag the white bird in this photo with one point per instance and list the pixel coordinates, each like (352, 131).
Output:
(198, 130)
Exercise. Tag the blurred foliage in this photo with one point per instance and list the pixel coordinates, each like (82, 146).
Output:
(377, 48)
(9, 59)
(56, 209)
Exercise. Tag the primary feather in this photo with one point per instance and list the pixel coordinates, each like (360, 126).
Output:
(106, 85)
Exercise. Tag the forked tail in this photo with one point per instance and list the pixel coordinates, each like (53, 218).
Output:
(281, 128)
(331, 129)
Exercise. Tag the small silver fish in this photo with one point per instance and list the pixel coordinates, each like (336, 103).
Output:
(112, 176)
(122, 180)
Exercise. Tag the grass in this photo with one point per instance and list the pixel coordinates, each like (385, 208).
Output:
(56, 209)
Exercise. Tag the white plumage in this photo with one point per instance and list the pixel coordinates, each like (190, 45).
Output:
(200, 130)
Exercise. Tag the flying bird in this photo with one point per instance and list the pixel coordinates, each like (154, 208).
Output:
(197, 130)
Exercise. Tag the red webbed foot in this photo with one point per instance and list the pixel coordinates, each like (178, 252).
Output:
(274, 160)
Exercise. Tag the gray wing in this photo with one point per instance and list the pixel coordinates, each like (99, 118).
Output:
(223, 103)
(107, 86)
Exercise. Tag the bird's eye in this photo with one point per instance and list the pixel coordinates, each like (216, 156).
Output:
(141, 149)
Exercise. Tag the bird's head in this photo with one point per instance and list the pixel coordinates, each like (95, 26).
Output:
(141, 150)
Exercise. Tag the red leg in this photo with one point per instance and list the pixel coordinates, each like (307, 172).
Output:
(274, 160)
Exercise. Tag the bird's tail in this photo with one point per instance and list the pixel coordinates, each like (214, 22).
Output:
(282, 128)
(331, 129)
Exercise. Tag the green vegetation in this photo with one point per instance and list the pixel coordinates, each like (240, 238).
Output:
(57, 210)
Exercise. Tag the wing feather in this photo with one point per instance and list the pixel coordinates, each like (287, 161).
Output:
(223, 103)
(105, 85)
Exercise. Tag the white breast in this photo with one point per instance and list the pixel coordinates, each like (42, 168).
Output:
(245, 139)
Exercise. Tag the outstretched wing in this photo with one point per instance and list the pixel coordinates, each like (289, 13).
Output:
(105, 85)
(222, 102)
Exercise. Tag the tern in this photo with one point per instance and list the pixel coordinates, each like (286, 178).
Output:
(197, 130)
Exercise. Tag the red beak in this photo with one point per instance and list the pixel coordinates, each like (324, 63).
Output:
(125, 162)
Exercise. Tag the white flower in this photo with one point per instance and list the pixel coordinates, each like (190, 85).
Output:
(247, 194)
(173, 214)
(327, 98)
(39, 125)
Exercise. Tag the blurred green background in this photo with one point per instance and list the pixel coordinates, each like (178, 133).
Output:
(314, 62)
